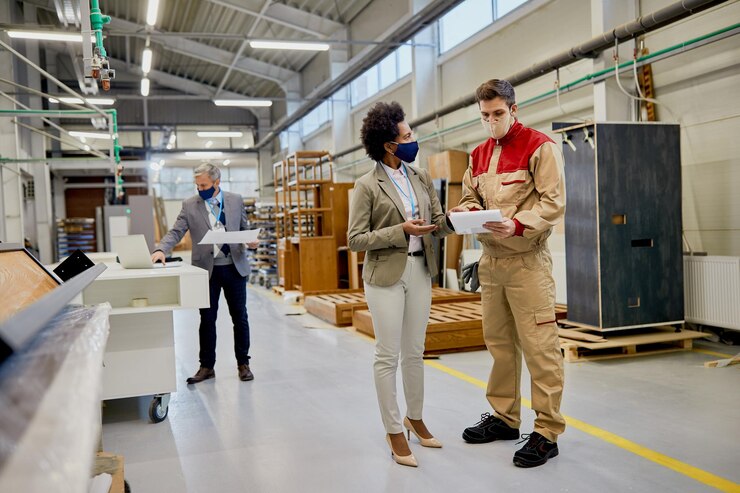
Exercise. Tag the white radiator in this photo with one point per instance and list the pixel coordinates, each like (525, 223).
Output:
(712, 290)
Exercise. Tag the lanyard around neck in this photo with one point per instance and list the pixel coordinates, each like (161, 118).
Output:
(410, 195)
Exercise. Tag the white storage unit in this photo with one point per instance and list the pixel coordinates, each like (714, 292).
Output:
(140, 354)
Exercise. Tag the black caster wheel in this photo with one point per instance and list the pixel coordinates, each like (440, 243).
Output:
(268, 285)
(157, 412)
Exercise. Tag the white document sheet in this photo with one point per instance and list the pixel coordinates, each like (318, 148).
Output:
(472, 222)
(220, 237)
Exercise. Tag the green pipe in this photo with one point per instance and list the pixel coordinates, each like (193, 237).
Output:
(97, 21)
(645, 58)
(48, 160)
(114, 114)
(572, 85)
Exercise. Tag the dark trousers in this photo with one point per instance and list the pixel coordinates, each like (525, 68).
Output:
(225, 277)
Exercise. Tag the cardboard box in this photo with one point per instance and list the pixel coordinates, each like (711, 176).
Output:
(449, 165)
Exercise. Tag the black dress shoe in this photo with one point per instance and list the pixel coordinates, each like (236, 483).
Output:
(245, 374)
(202, 374)
(536, 451)
(488, 429)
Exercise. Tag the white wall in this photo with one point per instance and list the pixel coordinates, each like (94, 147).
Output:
(701, 87)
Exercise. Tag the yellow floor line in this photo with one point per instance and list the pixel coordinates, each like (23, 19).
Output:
(711, 353)
(695, 473)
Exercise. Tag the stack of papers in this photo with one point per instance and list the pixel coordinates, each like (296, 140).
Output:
(220, 237)
(472, 221)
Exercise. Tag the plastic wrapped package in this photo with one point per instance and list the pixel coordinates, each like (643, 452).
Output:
(50, 404)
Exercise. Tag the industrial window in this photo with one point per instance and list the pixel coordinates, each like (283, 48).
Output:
(291, 136)
(316, 118)
(470, 17)
(177, 182)
(391, 69)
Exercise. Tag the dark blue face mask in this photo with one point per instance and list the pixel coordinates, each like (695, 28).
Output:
(207, 194)
(407, 151)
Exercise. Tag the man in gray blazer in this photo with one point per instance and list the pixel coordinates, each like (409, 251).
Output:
(227, 265)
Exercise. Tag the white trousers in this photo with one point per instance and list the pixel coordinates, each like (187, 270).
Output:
(400, 316)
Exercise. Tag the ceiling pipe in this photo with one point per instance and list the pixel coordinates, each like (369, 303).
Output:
(589, 49)
(404, 32)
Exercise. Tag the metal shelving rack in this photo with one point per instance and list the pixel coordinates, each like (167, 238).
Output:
(75, 233)
(264, 259)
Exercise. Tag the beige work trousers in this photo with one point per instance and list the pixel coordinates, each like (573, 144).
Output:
(518, 298)
(400, 315)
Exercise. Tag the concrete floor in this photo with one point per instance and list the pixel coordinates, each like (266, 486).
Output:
(309, 421)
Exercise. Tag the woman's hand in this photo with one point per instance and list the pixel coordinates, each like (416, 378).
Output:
(415, 227)
(457, 209)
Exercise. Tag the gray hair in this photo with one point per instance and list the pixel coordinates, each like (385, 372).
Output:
(208, 169)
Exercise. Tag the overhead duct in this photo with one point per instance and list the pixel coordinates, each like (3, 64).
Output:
(589, 49)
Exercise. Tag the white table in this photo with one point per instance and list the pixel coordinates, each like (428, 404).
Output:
(140, 355)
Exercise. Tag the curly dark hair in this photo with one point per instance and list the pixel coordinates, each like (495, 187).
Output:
(379, 126)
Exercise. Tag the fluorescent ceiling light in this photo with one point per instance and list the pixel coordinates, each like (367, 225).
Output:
(243, 102)
(151, 12)
(48, 36)
(289, 45)
(203, 154)
(220, 134)
(146, 60)
(145, 87)
(209, 144)
(90, 135)
(100, 101)
(227, 162)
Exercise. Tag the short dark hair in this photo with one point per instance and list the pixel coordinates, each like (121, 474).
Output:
(496, 88)
(379, 126)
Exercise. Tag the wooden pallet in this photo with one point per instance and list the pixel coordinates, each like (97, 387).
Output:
(640, 342)
(336, 308)
(452, 327)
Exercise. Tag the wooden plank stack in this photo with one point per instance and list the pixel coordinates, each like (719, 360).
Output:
(337, 307)
(452, 327)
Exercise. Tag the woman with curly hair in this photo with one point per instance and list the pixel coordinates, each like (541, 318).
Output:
(394, 211)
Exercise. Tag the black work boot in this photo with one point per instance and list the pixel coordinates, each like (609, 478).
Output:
(488, 429)
(536, 451)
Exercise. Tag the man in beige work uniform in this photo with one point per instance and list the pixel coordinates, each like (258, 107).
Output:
(519, 171)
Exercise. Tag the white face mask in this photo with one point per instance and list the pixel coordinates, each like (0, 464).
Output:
(498, 128)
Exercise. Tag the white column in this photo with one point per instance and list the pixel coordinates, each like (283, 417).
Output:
(11, 197)
(293, 96)
(343, 135)
(425, 94)
(264, 175)
(36, 150)
(610, 104)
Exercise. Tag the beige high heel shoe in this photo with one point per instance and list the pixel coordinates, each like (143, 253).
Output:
(404, 460)
(425, 442)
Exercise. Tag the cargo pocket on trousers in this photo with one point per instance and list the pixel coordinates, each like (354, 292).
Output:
(547, 329)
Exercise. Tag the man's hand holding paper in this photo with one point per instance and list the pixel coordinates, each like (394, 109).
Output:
(466, 222)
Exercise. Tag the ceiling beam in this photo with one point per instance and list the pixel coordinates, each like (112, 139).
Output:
(291, 17)
(208, 53)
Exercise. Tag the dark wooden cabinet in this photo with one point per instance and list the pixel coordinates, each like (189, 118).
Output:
(623, 224)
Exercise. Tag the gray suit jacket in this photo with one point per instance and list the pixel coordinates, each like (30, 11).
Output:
(194, 217)
(375, 218)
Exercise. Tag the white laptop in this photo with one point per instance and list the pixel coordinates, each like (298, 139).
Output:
(134, 254)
